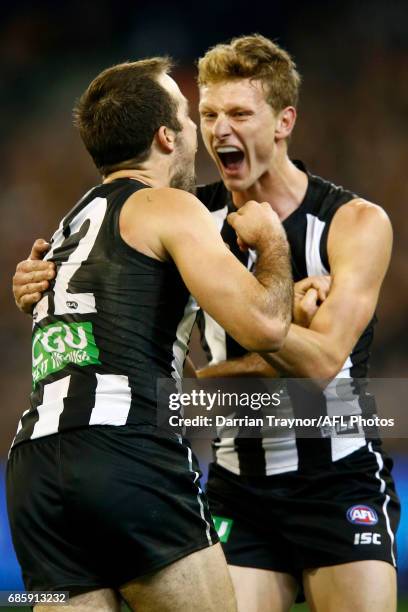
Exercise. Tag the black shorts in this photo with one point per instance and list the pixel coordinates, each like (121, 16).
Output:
(291, 522)
(98, 507)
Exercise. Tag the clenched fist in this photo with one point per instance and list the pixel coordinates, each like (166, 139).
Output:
(256, 224)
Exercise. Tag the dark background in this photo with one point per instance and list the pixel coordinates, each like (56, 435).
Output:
(352, 127)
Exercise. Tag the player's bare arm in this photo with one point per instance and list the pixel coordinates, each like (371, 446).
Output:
(254, 309)
(229, 293)
(358, 261)
(309, 294)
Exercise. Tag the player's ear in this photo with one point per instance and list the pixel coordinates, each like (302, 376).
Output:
(285, 122)
(164, 139)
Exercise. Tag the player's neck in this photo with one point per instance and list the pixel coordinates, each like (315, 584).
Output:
(284, 187)
(144, 175)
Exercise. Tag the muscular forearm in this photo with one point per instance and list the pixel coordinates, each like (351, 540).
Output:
(303, 355)
(306, 353)
(273, 271)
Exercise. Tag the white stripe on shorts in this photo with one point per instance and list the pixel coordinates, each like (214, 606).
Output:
(380, 464)
(200, 503)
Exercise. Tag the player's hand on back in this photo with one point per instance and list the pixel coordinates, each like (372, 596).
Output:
(32, 277)
(256, 224)
(309, 294)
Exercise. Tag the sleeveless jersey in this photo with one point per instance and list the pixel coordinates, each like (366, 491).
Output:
(112, 323)
(307, 230)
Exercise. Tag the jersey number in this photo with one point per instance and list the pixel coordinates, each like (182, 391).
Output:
(64, 301)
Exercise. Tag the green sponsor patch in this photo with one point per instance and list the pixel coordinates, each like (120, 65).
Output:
(223, 527)
(59, 344)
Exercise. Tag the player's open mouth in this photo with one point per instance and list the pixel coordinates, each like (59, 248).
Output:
(231, 158)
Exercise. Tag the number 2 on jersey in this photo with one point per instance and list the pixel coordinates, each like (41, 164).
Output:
(64, 301)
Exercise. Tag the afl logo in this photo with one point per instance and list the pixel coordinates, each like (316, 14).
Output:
(362, 515)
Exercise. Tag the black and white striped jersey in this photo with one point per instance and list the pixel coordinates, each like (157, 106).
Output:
(112, 323)
(307, 230)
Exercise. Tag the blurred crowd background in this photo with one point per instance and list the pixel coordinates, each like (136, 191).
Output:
(352, 126)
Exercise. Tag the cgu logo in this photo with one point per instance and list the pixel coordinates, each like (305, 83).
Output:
(58, 339)
(362, 515)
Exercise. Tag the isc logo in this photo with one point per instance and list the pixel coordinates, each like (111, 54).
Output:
(367, 538)
(362, 515)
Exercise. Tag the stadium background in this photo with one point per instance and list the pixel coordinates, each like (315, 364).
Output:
(352, 129)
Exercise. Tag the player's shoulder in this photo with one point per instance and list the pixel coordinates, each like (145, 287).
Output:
(176, 201)
(213, 196)
(360, 224)
(359, 210)
(166, 200)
